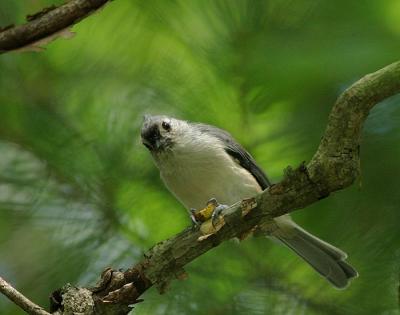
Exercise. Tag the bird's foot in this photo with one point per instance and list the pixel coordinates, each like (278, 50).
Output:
(217, 210)
(212, 211)
(195, 222)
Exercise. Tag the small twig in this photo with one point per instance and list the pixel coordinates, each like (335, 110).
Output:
(19, 299)
(47, 23)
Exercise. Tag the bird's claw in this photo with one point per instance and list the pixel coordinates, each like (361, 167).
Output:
(195, 223)
(218, 208)
(212, 210)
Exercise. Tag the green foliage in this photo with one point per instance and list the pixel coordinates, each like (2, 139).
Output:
(78, 192)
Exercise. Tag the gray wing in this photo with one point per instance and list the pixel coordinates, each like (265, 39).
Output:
(237, 152)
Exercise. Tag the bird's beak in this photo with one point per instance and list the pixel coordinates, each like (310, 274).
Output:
(147, 144)
(154, 145)
(151, 137)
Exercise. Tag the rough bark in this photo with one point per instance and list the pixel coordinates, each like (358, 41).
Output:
(47, 23)
(334, 166)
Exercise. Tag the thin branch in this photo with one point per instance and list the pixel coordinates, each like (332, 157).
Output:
(19, 299)
(334, 166)
(47, 23)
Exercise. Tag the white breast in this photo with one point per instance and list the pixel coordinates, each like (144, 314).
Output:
(195, 174)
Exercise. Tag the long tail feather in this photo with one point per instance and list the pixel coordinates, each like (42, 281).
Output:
(326, 259)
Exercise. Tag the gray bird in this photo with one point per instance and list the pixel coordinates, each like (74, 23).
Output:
(199, 162)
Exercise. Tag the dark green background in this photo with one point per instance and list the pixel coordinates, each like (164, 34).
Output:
(78, 192)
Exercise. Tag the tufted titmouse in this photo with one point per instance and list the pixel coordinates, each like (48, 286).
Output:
(198, 162)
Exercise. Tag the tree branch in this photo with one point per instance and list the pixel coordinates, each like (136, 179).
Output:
(334, 166)
(44, 26)
(19, 299)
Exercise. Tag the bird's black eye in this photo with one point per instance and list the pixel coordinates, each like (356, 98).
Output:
(166, 125)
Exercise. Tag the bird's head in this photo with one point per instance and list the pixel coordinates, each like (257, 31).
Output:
(160, 133)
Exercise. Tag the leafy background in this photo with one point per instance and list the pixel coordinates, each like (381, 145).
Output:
(79, 193)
